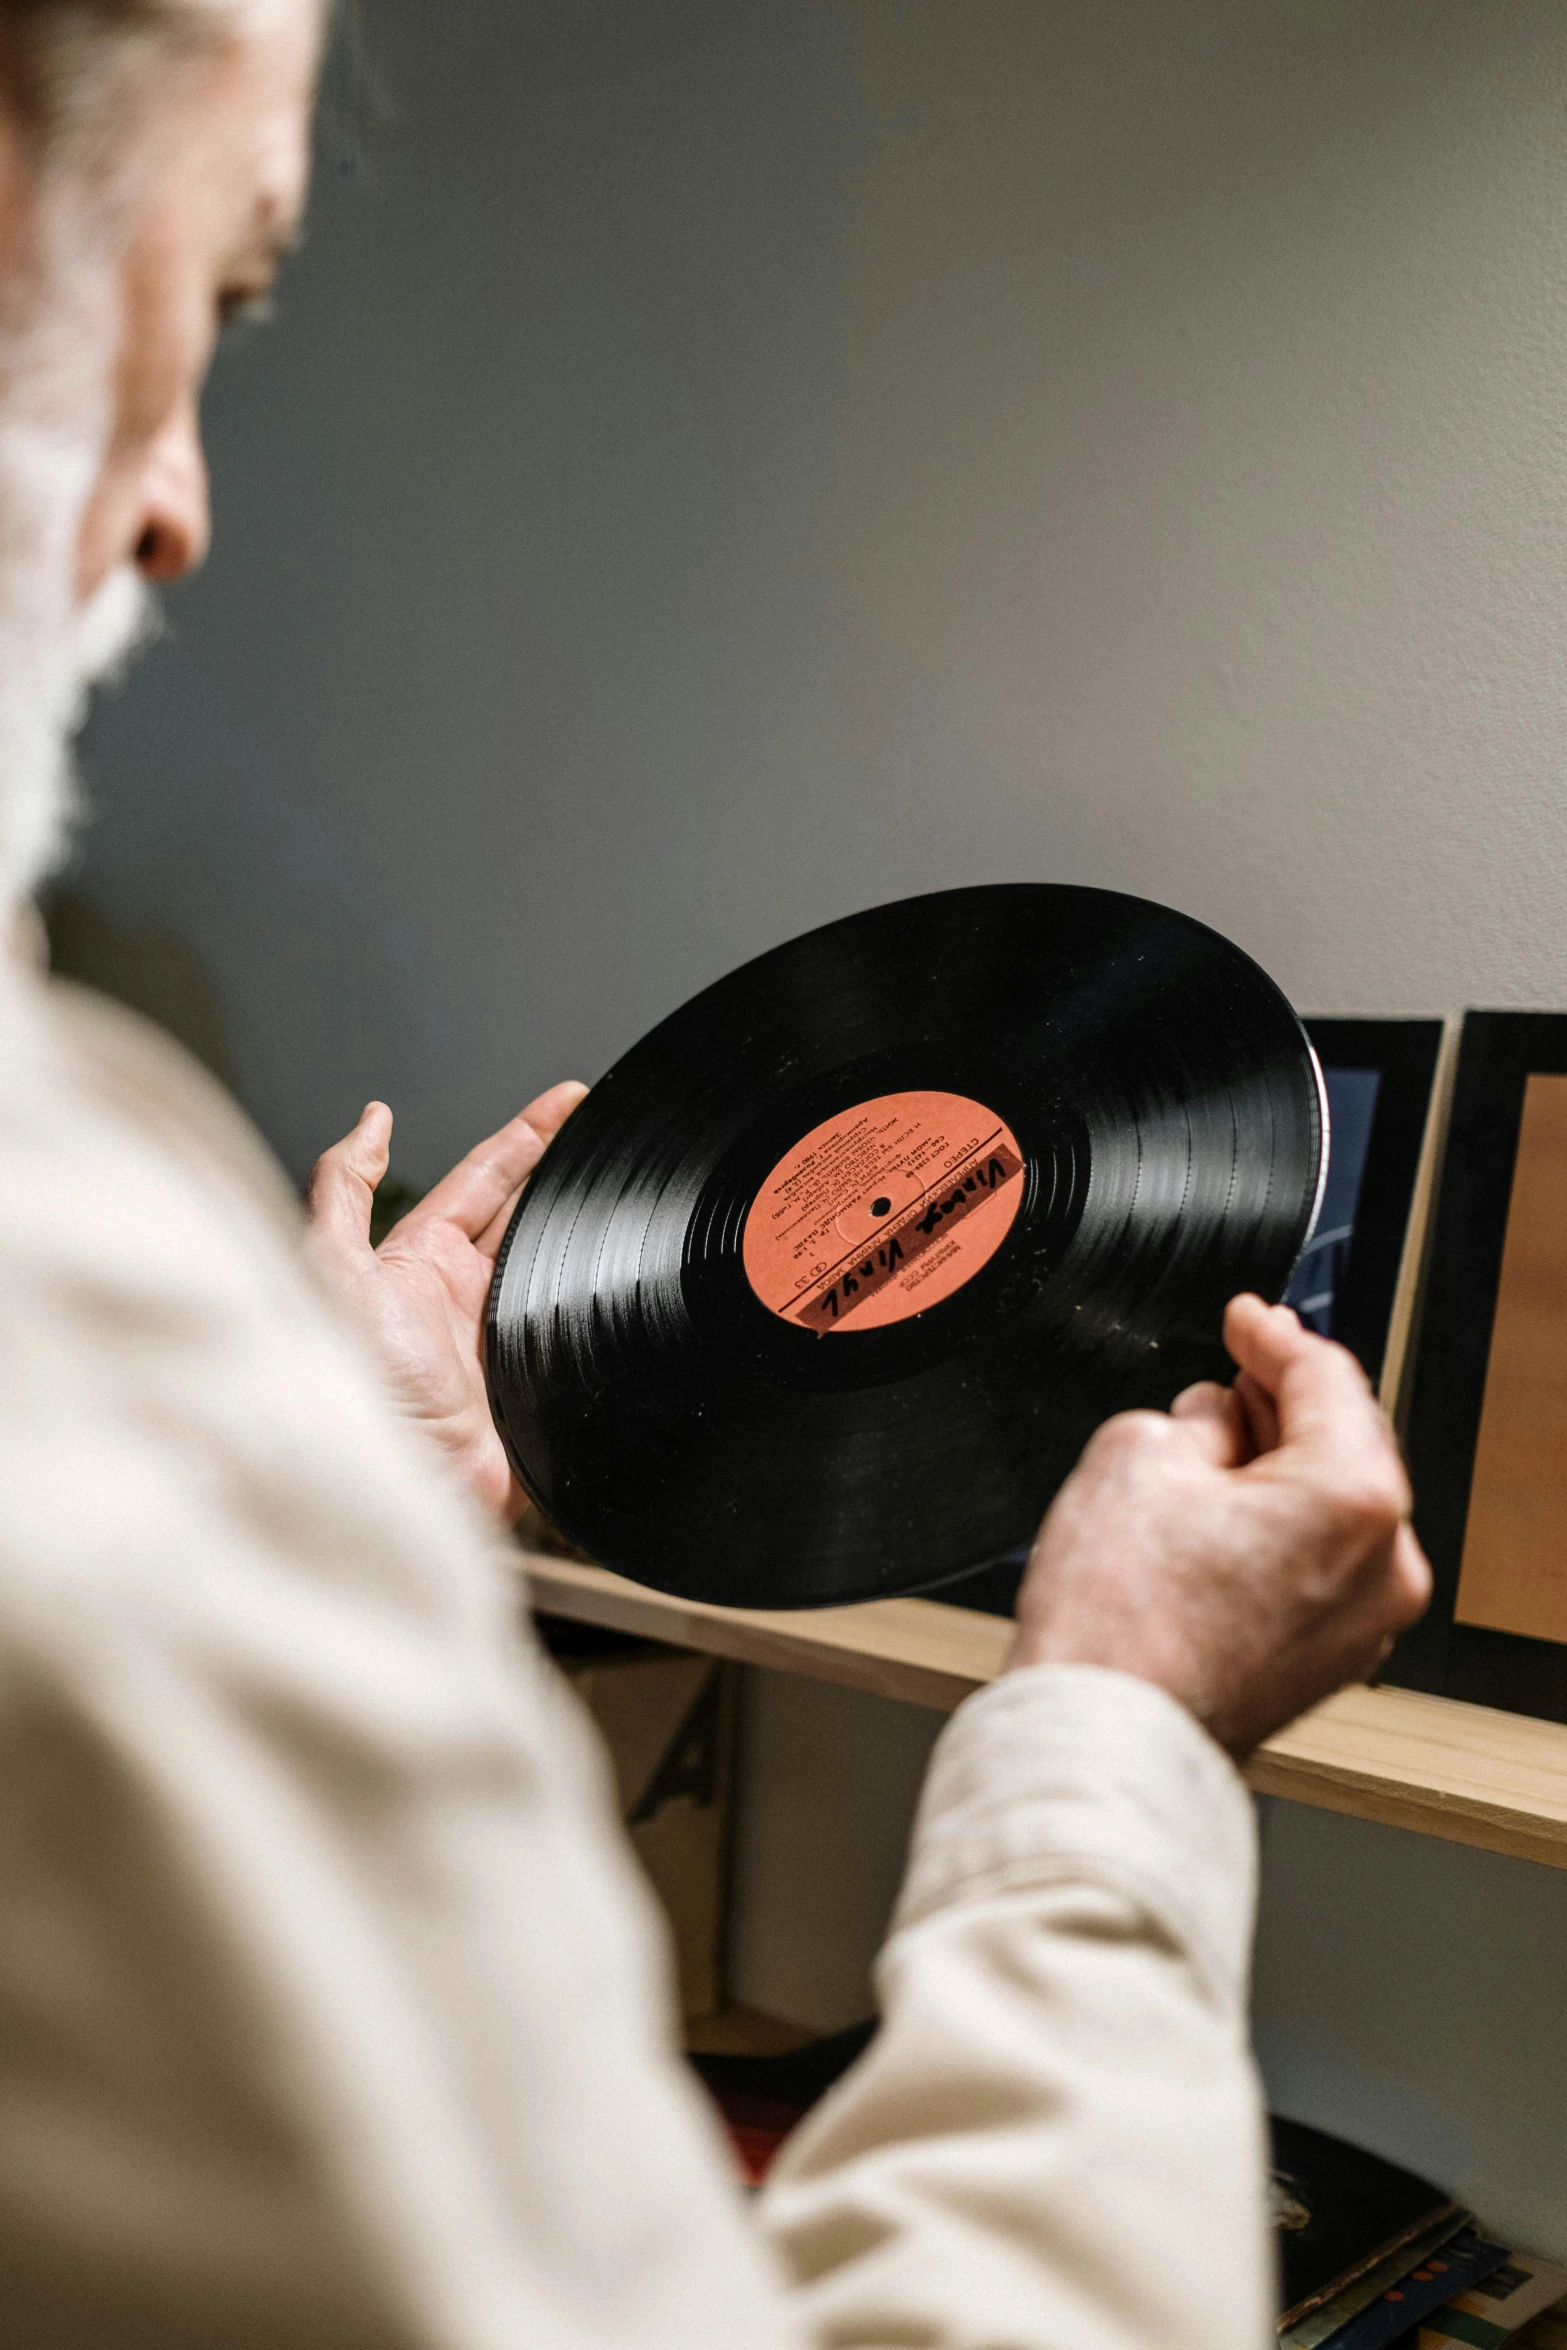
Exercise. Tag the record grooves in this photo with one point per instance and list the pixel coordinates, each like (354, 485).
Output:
(820, 1292)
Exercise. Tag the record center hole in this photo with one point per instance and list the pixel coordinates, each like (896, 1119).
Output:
(880, 1207)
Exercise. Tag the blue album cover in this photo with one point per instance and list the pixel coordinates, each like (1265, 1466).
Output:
(1352, 1103)
(1458, 2268)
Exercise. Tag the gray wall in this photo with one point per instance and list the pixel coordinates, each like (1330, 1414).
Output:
(726, 463)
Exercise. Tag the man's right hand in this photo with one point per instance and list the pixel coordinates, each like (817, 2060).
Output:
(1250, 1551)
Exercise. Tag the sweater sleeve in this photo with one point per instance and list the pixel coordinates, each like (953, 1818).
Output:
(331, 2010)
(1057, 2136)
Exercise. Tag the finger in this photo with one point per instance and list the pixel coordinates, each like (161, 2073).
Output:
(1259, 1412)
(343, 1184)
(489, 1241)
(1319, 1391)
(1211, 1416)
(480, 1185)
(1412, 1580)
(1269, 1341)
(1332, 1433)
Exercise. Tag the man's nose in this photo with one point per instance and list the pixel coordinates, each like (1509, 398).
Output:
(176, 517)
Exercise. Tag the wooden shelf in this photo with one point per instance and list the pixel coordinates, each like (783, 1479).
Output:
(908, 1648)
(1462, 1772)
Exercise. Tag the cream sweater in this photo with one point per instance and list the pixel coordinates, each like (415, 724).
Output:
(332, 2012)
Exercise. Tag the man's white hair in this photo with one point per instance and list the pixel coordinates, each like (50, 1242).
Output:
(78, 63)
(80, 75)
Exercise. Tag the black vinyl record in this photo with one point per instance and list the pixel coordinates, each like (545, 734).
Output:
(820, 1292)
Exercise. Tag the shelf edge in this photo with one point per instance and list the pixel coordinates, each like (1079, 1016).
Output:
(1463, 1773)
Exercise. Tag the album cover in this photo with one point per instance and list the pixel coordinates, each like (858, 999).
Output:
(1380, 1077)
(1339, 2210)
(1323, 2323)
(1490, 2312)
(1487, 1434)
(1465, 2262)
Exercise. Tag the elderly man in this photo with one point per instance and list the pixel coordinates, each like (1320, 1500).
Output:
(330, 2011)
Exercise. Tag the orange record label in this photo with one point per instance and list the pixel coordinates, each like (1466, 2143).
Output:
(882, 1211)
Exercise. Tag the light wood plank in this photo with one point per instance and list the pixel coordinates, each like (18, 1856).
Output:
(1466, 1773)
(1462, 1772)
(1513, 1576)
(908, 1648)
(1419, 1232)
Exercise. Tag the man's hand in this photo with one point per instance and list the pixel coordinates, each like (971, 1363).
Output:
(1250, 1552)
(420, 1295)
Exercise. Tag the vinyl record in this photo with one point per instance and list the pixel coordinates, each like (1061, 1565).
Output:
(819, 1293)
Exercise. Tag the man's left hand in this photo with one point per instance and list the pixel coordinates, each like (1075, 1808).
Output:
(421, 1294)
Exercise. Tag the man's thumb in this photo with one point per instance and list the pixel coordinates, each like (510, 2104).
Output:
(342, 1188)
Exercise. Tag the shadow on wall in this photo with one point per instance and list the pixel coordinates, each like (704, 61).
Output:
(155, 972)
(160, 975)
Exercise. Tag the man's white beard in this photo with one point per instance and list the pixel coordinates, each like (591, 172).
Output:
(56, 359)
(120, 618)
